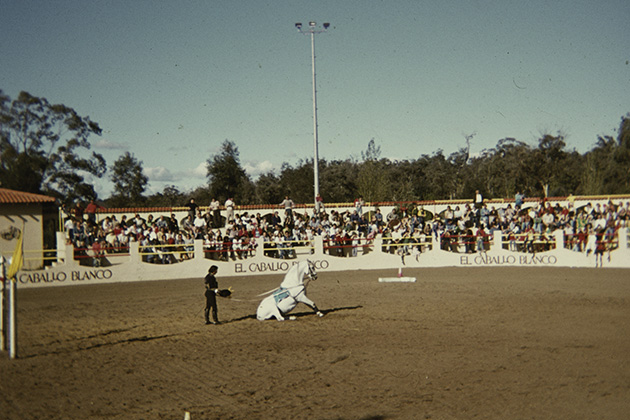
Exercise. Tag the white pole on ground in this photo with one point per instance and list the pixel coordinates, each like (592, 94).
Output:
(16, 265)
(2, 293)
(12, 327)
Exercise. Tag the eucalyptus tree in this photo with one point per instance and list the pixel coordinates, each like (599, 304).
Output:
(169, 197)
(459, 170)
(226, 177)
(438, 176)
(268, 189)
(607, 168)
(371, 177)
(618, 178)
(338, 181)
(298, 182)
(44, 148)
(622, 156)
(547, 160)
(502, 170)
(129, 181)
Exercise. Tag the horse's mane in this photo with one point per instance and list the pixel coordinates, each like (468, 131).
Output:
(295, 275)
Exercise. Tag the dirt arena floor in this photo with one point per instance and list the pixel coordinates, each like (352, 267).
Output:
(498, 343)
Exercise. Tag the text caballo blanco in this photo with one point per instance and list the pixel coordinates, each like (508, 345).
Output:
(62, 276)
(280, 266)
(508, 260)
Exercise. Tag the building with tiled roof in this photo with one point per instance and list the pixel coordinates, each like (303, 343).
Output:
(20, 197)
(35, 214)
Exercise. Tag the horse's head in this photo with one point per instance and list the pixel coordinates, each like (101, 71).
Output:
(298, 273)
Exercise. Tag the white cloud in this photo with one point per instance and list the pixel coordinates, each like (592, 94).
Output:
(255, 169)
(195, 176)
(200, 171)
(184, 180)
(159, 173)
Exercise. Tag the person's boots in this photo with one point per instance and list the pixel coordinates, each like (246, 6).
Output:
(206, 315)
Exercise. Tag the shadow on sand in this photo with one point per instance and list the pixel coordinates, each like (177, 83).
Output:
(299, 314)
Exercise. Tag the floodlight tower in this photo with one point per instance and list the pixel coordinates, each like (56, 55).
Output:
(313, 29)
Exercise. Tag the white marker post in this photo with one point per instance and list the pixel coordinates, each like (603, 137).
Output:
(2, 291)
(399, 279)
(396, 279)
(11, 277)
(12, 327)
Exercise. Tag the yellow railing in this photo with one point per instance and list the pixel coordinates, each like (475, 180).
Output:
(41, 255)
(166, 251)
(287, 249)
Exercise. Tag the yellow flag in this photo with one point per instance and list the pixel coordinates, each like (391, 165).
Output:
(18, 259)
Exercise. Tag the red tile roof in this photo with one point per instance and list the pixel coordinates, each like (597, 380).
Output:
(19, 197)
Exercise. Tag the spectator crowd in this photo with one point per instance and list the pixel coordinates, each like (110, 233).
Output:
(590, 229)
(405, 231)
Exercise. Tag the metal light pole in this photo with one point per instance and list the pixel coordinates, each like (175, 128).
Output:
(312, 30)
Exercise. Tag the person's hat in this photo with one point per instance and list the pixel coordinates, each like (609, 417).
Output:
(213, 269)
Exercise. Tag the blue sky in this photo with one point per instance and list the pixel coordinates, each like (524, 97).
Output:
(169, 81)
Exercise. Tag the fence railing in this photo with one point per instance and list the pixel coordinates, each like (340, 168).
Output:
(531, 243)
(581, 243)
(100, 256)
(348, 247)
(175, 253)
(289, 249)
(36, 259)
(420, 243)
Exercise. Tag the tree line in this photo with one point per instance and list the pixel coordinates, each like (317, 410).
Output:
(45, 148)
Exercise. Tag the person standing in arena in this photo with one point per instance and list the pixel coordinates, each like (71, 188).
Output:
(212, 288)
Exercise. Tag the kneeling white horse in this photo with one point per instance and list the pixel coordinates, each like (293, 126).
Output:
(292, 291)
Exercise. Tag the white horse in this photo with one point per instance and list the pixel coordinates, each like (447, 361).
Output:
(292, 291)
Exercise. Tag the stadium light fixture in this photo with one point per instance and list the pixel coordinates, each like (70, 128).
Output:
(312, 30)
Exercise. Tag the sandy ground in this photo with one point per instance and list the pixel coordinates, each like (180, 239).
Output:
(458, 344)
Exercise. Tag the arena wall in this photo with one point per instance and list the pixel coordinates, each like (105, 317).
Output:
(378, 255)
